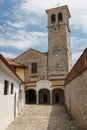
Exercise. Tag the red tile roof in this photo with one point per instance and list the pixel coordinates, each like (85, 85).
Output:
(54, 83)
(58, 82)
(9, 67)
(30, 84)
(14, 63)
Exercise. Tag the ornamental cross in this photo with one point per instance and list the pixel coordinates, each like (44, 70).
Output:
(58, 4)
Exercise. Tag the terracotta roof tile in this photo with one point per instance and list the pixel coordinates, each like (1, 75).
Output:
(30, 84)
(58, 82)
(16, 64)
(9, 67)
(54, 83)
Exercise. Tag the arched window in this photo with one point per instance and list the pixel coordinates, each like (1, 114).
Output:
(60, 17)
(53, 18)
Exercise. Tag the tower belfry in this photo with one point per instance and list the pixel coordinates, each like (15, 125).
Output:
(59, 54)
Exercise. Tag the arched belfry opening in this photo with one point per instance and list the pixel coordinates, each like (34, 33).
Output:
(44, 96)
(53, 18)
(30, 96)
(60, 17)
(58, 96)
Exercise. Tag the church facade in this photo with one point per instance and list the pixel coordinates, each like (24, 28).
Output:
(44, 73)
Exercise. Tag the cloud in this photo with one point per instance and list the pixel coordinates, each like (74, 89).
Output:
(38, 6)
(17, 24)
(78, 11)
(78, 44)
(75, 57)
(21, 39)
(1, 1)
(8, 55)
(24, 26)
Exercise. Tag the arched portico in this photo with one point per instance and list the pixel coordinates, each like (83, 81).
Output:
(44, 96)
(58, 96)
(30, 96)
(45, 93)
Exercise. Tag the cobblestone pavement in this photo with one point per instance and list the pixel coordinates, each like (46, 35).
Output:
(44, 117)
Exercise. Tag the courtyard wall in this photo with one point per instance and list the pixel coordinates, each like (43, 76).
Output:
(76, 90)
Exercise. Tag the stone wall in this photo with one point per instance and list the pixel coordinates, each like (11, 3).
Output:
(59, 58)
(33, 56)
(76, 90)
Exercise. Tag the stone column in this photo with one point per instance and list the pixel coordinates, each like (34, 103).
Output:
(50, 96)
(37, 98)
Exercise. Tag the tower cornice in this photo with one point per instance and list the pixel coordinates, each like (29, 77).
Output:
(59, 8)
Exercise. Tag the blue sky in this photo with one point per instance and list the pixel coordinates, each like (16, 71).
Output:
(23, 25)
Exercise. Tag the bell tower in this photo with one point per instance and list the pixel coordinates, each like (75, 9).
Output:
(59, 52)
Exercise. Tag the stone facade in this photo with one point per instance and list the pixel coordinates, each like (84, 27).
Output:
(57, 62)
(33, 56)
(76, 90)
(52, 66)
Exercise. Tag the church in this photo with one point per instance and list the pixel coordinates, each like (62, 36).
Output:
(44, 73)
(36, 77)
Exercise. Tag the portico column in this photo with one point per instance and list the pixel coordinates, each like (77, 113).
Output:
(37, 98)
(50, 96)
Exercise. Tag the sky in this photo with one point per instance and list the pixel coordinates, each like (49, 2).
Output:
(23, 25)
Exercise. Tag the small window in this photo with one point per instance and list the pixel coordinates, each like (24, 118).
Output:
(34, 68)
(60, 17)
(6, 85)
(12, 88)
(53, 18)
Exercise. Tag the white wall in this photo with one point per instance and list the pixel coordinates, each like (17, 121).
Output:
(7, 101)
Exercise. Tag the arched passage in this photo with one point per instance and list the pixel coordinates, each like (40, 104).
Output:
(44, 96)
(30, 96)
(58, 96)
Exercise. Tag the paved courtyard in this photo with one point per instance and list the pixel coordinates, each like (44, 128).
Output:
(44, 117)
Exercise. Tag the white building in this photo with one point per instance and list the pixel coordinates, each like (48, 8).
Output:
(11, 94)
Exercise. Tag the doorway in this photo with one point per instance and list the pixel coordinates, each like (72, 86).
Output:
(58, 96)
(44, 96)
(31, 96)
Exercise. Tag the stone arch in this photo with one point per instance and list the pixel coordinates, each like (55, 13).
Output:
(44, 96)
(43, 84)
(31, 96)
(58, 96)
